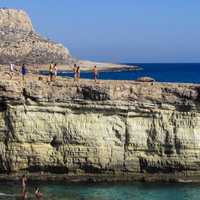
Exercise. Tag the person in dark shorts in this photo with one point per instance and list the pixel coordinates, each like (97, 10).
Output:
(78, 73)
(51, 71)
(74, 71)
(95, 73)
(23, 71)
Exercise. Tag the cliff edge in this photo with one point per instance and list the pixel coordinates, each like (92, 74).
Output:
(119, 128)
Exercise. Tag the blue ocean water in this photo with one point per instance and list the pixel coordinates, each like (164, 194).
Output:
(163, 72)
(136, 191)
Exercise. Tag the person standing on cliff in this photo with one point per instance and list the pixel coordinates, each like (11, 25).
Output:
(23, 71)
(51, 67)
(55, 70)
(74, 71)
(95, 73)
(11, 71)
(78, 73)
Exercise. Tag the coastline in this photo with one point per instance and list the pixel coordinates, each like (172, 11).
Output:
(104, 67)
(103, 178)
(60, 129)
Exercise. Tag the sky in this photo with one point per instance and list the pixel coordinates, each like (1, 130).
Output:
(119, 31)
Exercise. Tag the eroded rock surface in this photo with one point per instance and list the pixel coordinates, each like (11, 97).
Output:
(20, 43)
(112, 127)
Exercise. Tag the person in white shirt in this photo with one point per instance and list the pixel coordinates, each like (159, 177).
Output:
(12, 69)
(55, 69)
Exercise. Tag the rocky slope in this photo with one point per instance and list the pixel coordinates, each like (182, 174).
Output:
(123, 129)
(20, 43)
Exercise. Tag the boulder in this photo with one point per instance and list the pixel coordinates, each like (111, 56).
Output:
(146, 79)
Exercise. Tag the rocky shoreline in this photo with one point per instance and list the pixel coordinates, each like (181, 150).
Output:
(102, 178)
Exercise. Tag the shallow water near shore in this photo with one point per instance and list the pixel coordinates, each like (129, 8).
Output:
(162, 72)
(137, 191)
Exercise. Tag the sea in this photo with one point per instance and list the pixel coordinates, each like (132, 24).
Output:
(161, 72)
(125, 191)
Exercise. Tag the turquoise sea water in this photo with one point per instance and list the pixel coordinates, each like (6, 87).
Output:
(136, 191)
(163, 72)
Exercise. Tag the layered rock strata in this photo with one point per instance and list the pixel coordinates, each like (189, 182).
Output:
(110, 128)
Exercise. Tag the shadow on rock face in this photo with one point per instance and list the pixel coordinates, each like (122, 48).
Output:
(94, 94)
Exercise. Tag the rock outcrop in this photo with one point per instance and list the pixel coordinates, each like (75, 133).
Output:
(110, 128)
(146, 79)
(19, 43)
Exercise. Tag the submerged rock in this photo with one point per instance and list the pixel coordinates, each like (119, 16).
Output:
(146, 79)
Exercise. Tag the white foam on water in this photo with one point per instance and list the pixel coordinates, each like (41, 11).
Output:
(6, 195)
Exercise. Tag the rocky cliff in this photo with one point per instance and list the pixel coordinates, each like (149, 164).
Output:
(20, 43)
(111, 128)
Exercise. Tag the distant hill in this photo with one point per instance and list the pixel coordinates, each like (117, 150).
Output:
(20, 43)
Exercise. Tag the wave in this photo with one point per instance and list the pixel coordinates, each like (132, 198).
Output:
(6, 195)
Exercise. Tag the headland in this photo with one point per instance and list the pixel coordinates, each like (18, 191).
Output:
(87, 131)
(20, 43)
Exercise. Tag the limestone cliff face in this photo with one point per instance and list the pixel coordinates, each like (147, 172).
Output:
(20, 43)
(109, 128)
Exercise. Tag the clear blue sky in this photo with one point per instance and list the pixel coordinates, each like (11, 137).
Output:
(119, 30)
